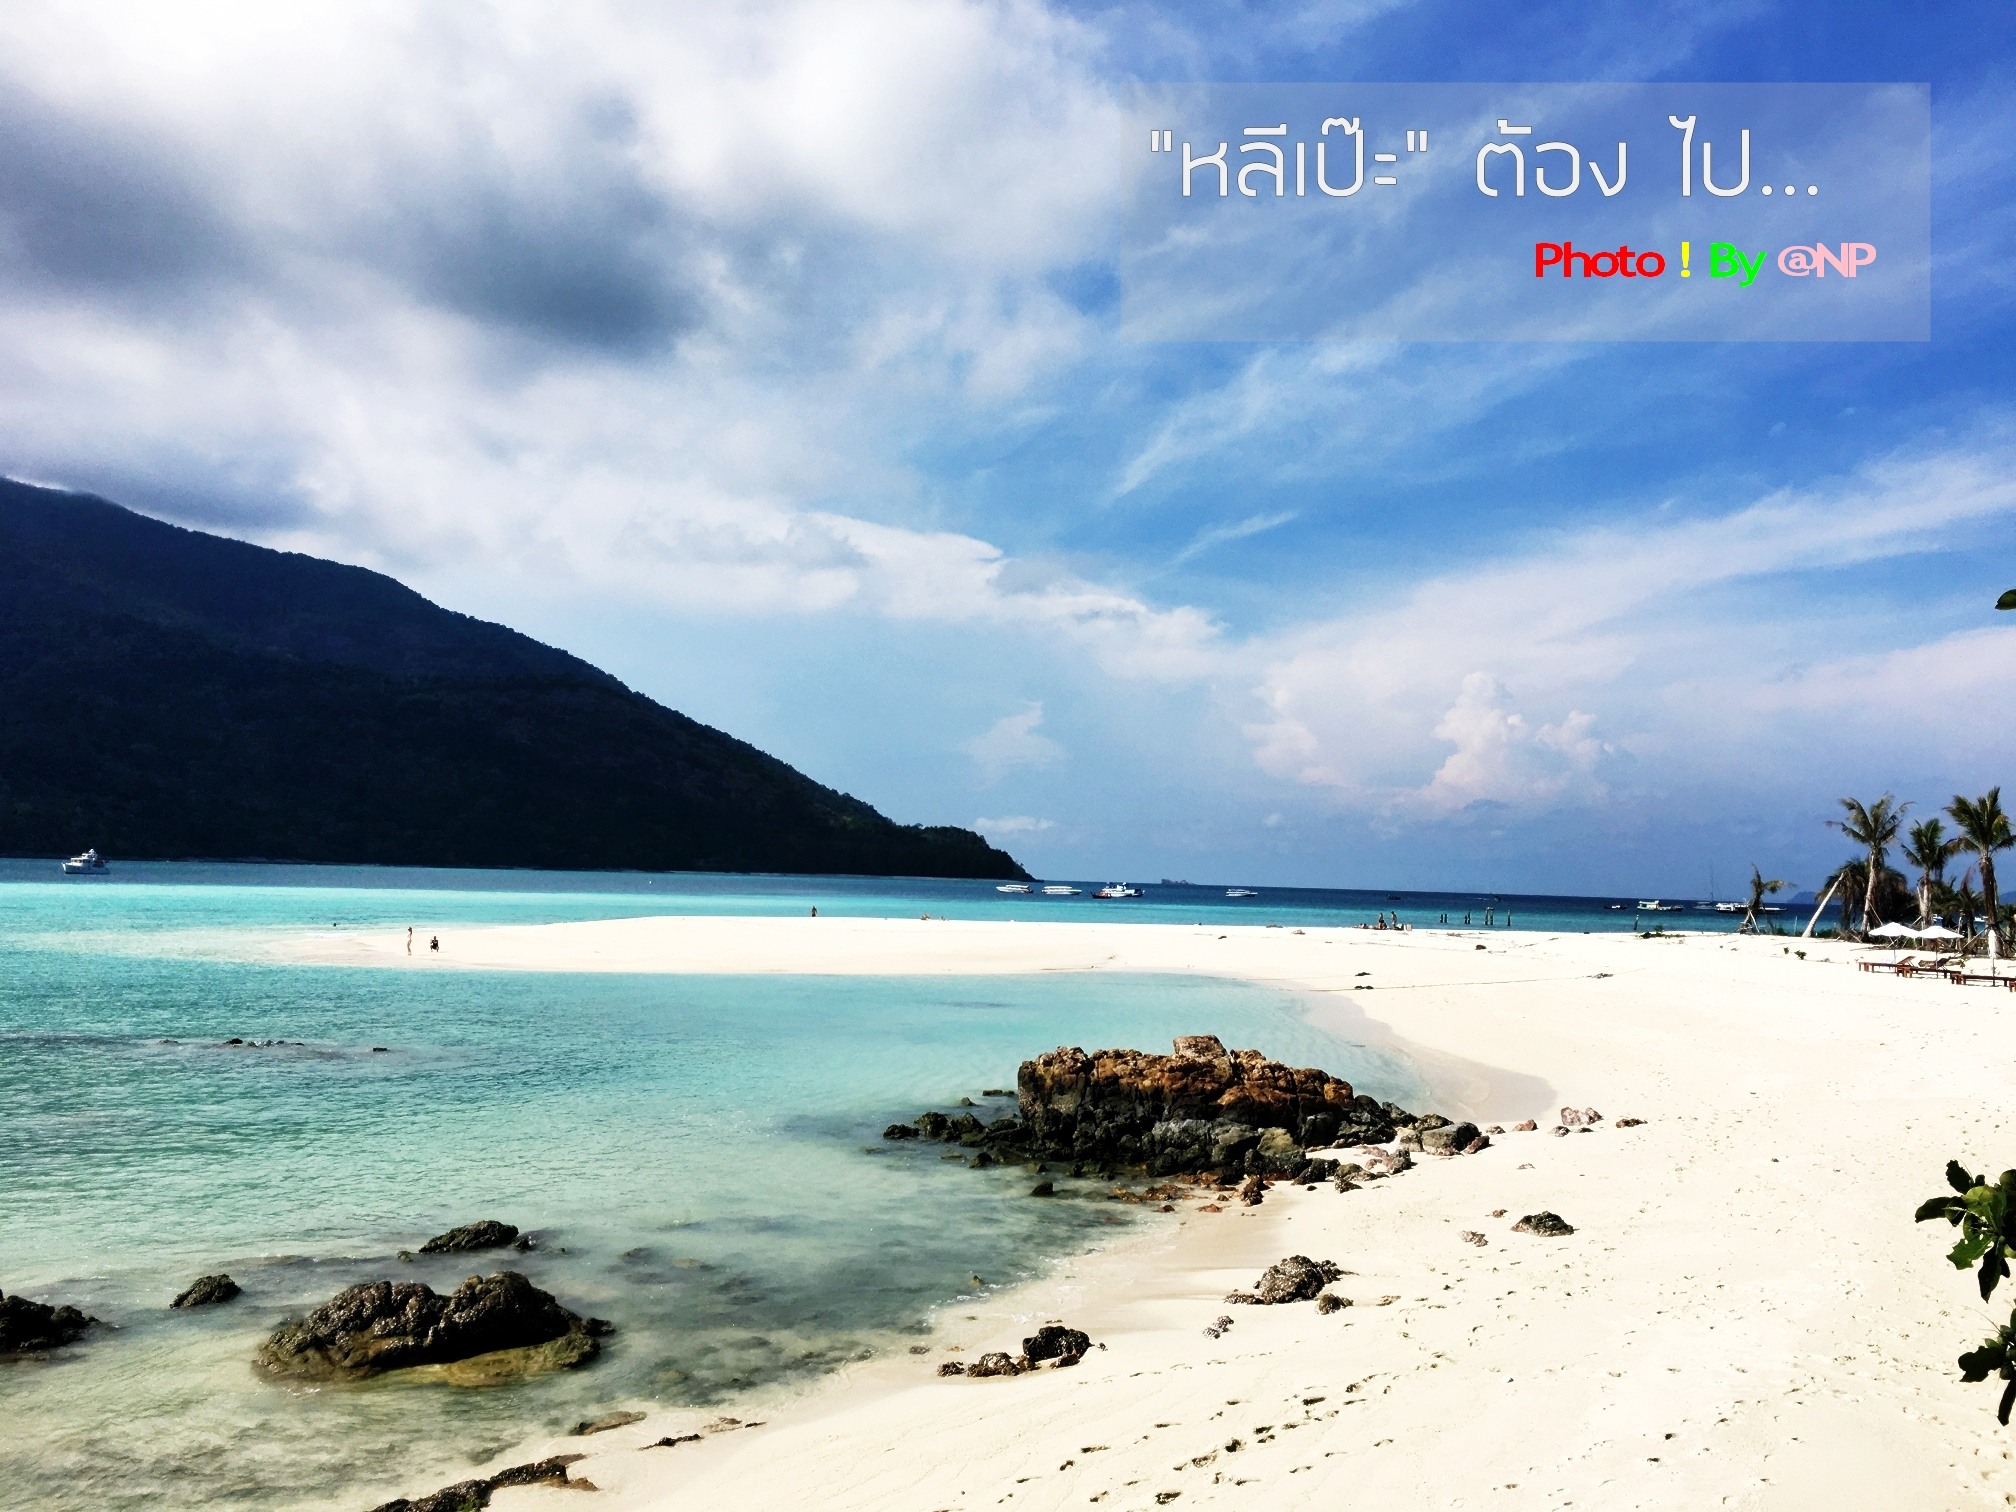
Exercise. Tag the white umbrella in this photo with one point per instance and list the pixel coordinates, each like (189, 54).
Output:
(1938, 932)
(1893, 931)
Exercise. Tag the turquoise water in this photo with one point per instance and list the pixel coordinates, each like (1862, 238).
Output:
(698, 1157)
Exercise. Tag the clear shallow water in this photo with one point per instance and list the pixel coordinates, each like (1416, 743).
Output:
(697, 1155)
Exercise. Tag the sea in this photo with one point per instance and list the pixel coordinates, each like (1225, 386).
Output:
(698, 1158)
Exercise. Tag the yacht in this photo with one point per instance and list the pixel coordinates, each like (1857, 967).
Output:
(1653, 905)
(1241, 892)
(1060, 890)
(86, 865)
(1117, 890)
(1013, 887)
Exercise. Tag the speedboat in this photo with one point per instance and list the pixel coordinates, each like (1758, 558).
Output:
(1117, 890)
(1059, 890)
(88, 864)
(1728, 908)
(1013, 887)
(1241, 892)
(1653, 905)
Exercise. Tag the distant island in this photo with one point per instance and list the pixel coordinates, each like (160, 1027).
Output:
(172, 694)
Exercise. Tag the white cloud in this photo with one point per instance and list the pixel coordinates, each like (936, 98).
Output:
(1014, 824)
(1605, 626)
(1013, 741)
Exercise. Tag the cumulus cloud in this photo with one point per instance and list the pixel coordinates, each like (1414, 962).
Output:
(1014, 824)
(1014, 741)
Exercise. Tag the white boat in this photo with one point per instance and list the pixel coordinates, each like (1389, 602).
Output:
(1241, 892)
(1059, 890)
(1653, 905)
(1728, 908)
(1117, 890)
(1013, 887)
(86, 865)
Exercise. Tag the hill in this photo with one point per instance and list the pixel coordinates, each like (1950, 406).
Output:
(166, 693)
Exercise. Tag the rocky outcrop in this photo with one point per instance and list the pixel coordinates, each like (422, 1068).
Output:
(387, 1325)
(1053, 1341)
(1296, 1279)
(33, 1327)
(486, 1233)
(469, 1495)
(1547, 1225)
(207, 1291)
(1203, 1108)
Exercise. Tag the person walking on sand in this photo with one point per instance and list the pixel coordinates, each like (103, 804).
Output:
(409, 939)
(434, 943)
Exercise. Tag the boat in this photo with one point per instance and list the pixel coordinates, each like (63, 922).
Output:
(1241, 892)
(1013, 887)
(1117, 890)
(1728, 907)
(1653, 905)
(1059, 890)
(90, 864)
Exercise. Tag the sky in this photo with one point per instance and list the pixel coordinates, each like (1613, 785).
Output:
(767, 356)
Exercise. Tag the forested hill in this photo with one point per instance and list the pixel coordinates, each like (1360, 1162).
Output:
(165, 693)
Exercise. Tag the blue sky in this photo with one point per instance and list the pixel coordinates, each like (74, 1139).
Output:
(767, 356)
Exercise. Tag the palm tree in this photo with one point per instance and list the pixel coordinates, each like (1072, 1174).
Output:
(1984, 830)
(1759, 886)
(1874, 827)
(1929, 851)
(1966, 904)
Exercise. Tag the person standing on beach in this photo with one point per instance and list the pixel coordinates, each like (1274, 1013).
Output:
(409, 939)
(434, 943)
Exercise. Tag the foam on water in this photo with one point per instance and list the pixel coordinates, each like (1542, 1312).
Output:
(698, 1156)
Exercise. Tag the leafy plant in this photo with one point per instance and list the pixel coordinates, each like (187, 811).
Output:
(1985, 1214)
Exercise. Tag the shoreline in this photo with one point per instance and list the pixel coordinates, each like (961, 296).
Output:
(1746, 1316)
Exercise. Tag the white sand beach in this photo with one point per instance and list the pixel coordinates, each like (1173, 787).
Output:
(1746, 1315)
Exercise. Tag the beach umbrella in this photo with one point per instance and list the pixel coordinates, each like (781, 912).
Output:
(1938, 932)
(1892, 932)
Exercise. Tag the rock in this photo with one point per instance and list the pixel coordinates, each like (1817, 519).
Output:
(32, 1327)
(1495, 1129)
(1296, 1279)
(900, 1131)
(467, 1496)
(1629, 1123)
(1471, 1236)
(1410, 1139)
(1527, 1127)
(994, 1364)
(1590, 1118)
(604, 1423)
(1043, 1189)
(1387, 1162)
(1571, 1118)
(1203, 1108)
(1053, 1341)
(1253, 1191)
(967, 1102)
(934, 1126)
(1448, 1139)
(1496, 1213)
(951, 1368)
(1548, 1225)
(387, 1325)
(999, 1092)
(1560, 1131)
(207, 1291)
(1477, 1146)
(1429, 1121)
(982, 1160)
(1329, 1302)
(484, 1234)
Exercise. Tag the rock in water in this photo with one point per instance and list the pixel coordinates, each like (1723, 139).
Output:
(1204, 1108)
(207, 1291)
(1548, 1225)
(607, 1421)
(1053, 1341)
(387, 1325)
(485, 1234)
(31, 1327)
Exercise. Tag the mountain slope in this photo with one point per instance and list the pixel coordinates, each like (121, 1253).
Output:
(165, 693)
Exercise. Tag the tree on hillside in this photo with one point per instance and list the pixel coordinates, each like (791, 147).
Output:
(1929, 850)
(1873, 826)
(1760, 885)
(1984, 830)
